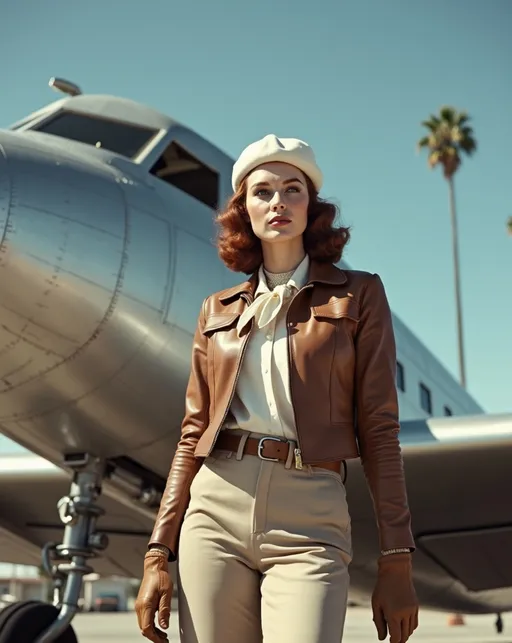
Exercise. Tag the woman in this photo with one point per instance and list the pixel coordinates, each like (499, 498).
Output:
(293, 372)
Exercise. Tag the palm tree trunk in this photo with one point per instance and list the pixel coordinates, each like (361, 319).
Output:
(455, 244)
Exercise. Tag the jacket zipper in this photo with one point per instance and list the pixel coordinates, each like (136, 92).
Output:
(297, 452)
(233, 389)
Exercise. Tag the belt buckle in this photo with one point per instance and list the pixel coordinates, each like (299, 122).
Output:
(260, 448)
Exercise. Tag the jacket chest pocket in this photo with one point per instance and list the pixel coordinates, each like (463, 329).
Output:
(342, 315)
(222, 350)
(338, 308)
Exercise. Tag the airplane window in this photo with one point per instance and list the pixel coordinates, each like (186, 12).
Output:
(425, 398)
(447, 411)
(121, 138)
(400, 376)
(179, 168)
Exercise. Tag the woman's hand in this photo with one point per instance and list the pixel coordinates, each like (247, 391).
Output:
(394, 601)
(154, 596)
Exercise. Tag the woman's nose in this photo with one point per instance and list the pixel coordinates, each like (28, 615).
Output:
(277, 206)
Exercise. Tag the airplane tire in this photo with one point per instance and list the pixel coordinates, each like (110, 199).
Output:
(8, 610)
(27, 620)
(11, 609)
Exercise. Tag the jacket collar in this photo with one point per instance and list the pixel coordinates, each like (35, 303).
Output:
(326, 273)
(319, 272)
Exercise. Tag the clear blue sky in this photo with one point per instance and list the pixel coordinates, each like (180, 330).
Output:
(352, 77)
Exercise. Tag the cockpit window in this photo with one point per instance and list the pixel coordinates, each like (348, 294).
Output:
(189, 174)
(122, 138)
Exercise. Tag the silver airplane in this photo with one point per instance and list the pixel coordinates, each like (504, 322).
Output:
(107, 225)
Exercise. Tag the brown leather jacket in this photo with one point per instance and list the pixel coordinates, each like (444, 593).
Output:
(342, 378)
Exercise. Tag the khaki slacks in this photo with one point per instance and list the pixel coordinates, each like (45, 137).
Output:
(264, 554)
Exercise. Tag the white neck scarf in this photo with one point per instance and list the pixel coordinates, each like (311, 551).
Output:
(265, 307)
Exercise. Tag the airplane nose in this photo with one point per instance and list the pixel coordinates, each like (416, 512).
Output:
(62, 235)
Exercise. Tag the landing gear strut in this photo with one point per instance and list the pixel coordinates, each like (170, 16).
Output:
(65, 563)
(79, 513)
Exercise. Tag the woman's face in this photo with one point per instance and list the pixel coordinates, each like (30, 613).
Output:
(277, 202)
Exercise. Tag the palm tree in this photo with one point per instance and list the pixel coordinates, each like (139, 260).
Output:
(509, 225)
(449, 138)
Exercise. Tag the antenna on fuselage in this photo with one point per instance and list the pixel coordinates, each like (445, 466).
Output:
(65, 86)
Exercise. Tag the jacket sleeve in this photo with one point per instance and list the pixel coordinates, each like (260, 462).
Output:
(377, 418)
(185, 465)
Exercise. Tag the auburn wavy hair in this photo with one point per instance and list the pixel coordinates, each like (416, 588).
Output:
(240, 249)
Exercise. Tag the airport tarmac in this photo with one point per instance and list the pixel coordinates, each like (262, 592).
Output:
(122, 628)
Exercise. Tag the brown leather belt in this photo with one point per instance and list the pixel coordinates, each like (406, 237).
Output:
(267, 448)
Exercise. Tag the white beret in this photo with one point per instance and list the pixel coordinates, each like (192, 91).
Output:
(271, 149)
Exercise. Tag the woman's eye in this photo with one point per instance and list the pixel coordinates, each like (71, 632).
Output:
(265, 192)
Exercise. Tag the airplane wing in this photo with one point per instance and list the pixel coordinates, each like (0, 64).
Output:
(30, 488)
(459, 483)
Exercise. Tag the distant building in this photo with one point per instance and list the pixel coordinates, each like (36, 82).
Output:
(97, 592)
(25, 583)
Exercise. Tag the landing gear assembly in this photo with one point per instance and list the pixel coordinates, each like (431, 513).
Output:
(66, 563)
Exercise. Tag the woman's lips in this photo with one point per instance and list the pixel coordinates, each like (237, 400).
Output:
(278, 222)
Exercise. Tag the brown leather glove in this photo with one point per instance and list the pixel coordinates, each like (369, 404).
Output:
(154, 595)
(394, 601)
